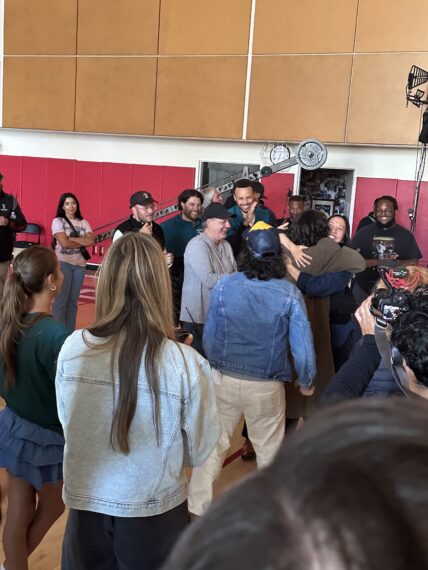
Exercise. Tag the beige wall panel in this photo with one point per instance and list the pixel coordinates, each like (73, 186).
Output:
(201, 97)
(392, 25)
(40, 27)
(204, 27)
(115, 95)
(287, 26)
(295, 97)
(118, 27)
(377, 112)
(38, 93)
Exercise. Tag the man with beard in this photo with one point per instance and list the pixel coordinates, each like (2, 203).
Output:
(383, 243)
(296, 207)
(178, 231)
(12, 220)
(142, 206)
(246, 213)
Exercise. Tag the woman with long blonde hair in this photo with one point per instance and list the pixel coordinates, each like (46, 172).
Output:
(31, 439)
(137, 408)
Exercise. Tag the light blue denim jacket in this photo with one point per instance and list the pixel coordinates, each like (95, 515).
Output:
(150, 479)
(250, 324)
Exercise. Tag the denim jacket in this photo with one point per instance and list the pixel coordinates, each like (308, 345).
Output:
(250, 324)
(150, 479)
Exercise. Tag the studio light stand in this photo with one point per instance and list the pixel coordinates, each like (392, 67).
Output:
(418, 76)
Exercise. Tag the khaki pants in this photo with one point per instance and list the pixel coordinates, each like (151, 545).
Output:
(4, 266)
(263, 405)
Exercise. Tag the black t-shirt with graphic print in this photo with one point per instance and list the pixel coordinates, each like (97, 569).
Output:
(389, 244)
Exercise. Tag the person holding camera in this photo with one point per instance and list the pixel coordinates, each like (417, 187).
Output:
(405, 341)
(72, 234)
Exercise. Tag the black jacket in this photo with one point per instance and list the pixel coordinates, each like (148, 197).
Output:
(9, 208)
(133, 225)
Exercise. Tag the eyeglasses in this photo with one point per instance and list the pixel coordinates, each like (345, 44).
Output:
(148, 208)
(385, 211)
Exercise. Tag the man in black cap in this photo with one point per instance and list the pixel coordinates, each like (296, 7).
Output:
(208, 257)
(142, 206)
(12, 220)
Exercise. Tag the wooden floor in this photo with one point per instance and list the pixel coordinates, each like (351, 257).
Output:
(48, 555)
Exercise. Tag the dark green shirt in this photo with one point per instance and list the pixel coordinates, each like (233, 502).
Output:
(178, 233)
(33, 396)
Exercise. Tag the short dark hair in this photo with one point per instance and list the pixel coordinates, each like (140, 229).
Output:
(60, 213)
(410, 334)
(265, 268)
(312, 505)
(186, 194)
(258, 187)
(296, 198)
(242, 183)
(387, 198)
(309, 228)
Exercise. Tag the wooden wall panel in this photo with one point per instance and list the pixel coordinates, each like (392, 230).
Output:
(39, 93)
(391, 25)
(287, 26)
(295, 97)
(200, 97)
(39, 27)
(118, 27)
(377, 112)
(204, 27)
(116, 95)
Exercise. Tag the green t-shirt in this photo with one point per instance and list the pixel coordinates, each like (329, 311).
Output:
(33, 396)
(178, 233)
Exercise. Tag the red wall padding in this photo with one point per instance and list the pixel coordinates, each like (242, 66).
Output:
(103, 188)
(367, 189)
(276, 190)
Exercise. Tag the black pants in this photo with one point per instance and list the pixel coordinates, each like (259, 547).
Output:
(197, 330)
(93, 541)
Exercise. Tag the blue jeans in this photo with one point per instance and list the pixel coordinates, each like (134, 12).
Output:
(64, 308)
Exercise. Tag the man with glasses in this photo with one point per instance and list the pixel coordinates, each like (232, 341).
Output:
(382, 243)
(142, 206)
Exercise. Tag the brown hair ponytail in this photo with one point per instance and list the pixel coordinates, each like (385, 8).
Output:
(30, 269)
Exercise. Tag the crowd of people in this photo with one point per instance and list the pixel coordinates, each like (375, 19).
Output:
(215, 315)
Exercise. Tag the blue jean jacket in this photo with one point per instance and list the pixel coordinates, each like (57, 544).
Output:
(250, 324)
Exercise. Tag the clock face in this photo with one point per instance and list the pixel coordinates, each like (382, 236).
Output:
(279, 153)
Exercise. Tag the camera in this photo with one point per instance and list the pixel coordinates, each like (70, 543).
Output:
(388, 304)
(74, 233)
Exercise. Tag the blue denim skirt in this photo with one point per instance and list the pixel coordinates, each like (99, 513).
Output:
(30, 451)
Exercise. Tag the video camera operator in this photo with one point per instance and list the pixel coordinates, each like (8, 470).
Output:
(399, 335)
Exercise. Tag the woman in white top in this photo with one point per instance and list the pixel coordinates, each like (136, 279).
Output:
(72, 234)
(137, 408)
